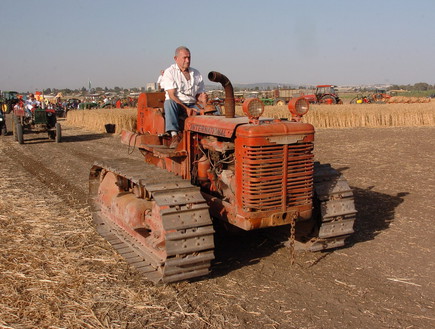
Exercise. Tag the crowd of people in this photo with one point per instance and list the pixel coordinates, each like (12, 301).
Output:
(62, 105)
(31, 101)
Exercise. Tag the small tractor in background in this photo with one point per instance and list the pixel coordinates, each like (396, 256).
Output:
(361, 99)
(378, 96)
(36, 121)
(8, 99)
(267, 101)
(324, 94)
(231, 172)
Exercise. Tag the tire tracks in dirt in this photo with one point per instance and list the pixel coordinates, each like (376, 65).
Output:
(71, 194)
(64, 167)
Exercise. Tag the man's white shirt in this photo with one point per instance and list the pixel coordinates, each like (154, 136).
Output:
(185, 90)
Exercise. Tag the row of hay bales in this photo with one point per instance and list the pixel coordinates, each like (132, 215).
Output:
(408, 100)
(372, 115)
(321, 116)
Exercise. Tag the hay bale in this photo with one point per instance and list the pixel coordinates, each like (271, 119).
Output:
(96, 120)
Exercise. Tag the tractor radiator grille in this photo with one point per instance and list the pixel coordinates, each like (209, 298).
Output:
(40, 116)
(277, 177)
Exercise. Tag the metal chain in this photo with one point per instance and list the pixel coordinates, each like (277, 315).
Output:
(292, 241)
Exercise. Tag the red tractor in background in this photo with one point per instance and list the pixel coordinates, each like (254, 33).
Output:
(324, 94)
(380, 96)
(244, 172)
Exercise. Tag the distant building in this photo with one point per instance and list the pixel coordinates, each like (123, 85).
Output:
(151, 86)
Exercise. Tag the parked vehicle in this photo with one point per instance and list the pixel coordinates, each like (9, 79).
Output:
(361, 99)
(283, 96)
(377, 96)
(324, 94)
(72, 104)
(267, 101)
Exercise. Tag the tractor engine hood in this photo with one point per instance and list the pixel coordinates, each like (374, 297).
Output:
(267, 127)
(214, 125)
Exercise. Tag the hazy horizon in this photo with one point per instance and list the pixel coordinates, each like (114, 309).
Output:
(56, 44)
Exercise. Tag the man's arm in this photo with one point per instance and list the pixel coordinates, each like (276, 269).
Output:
(172, 95)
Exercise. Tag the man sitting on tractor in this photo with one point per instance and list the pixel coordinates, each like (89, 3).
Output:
(31, 103)
(183, 85)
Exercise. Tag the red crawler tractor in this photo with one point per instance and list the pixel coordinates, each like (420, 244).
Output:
(249, 172)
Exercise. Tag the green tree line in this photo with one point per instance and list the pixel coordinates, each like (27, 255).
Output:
(420, 86)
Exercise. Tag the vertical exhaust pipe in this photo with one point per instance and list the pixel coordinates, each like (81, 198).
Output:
(230, 104)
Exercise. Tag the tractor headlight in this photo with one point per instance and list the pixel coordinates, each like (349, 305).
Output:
(253, 108)
(298, 106)
(1, 119)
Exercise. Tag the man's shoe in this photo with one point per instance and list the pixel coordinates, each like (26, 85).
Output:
(175, 141)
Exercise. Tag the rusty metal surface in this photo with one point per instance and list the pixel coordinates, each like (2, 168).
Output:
(182, 213)
(150, 119)
(270, 128)
(229, 103)
(272, 178)
(214, 125)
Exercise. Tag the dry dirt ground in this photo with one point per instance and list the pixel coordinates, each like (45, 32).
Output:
(57, 272)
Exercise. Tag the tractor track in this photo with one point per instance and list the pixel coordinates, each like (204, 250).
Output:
(72, 195)
(42, 158)
(184, 214)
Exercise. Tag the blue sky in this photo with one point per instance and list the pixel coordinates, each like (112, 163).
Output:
(66, 43)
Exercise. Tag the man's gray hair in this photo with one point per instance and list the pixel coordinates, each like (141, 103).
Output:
(180, 49)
